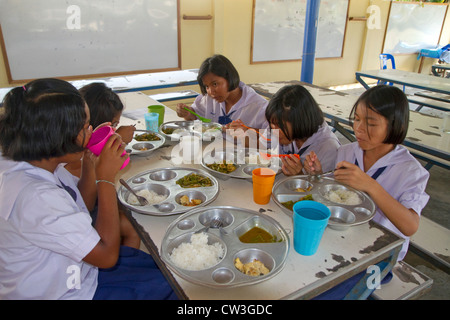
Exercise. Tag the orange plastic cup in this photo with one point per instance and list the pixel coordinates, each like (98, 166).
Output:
(263, 179)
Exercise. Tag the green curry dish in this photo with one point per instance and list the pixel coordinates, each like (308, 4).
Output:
(194, 181)
(147, 137)
(290, 204)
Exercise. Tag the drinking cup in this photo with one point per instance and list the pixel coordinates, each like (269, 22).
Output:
(159, 109)
(151, 121)
(98, 140)
(263, 179)
(310, 219)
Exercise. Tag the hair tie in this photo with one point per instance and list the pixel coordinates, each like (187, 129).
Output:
(24, 88)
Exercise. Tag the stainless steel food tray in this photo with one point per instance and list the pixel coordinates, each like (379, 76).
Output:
(208, 131)
(342, 216)
(163, 182)
(242, 158)
(237, 221)
(135, 147)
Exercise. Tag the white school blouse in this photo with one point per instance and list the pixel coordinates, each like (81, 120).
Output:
(44, 235)
(324, 143)
(250, 108)
(404, 178)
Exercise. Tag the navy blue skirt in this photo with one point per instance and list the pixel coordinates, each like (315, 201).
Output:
(135, 277)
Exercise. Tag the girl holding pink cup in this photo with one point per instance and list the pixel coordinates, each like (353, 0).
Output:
(98, 140)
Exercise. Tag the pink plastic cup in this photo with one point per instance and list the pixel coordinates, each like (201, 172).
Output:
(98, 140)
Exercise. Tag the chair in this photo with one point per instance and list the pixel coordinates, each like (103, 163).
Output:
(385, 58)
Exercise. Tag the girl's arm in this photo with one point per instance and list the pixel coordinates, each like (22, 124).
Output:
(404, 219)
(106, 252)
(86, 184)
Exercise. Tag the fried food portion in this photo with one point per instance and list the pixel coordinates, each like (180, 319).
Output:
(184, 200)
(254, 268)
(223, 167)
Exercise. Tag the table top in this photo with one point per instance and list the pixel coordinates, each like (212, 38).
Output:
(341, 254)
(445, 66)
(146, 81)
(411, 79)
(137, 82)
(424, 133)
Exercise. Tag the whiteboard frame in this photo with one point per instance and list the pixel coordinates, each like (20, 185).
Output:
(414, 3)
(11, 80)
(301, 52)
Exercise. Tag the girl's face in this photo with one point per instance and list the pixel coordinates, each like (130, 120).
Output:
(216, 87)
(282, 139)
(370, 128)
(115, 120)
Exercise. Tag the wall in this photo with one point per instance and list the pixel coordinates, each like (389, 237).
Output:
(229, 33)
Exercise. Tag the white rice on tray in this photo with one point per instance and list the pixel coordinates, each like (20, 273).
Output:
(343, 196)
(151, 196)
(197, 254)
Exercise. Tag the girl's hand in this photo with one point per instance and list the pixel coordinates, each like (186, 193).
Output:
(110, 159)
(181, 112)
(126, 132)
(235, 125)
(89, 160)
(312, 164)
(353, 176)
(291, 165)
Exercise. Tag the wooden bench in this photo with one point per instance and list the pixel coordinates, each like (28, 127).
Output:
(432, 242)
(428, 102)
(407, 283)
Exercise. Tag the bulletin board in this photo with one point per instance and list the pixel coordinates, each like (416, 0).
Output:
(70, 39)
(278, 29)
(413, 26)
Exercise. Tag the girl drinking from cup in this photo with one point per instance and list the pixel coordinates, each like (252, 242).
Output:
(379, 165)
(301, 129)
(48, 246)
(105, 107)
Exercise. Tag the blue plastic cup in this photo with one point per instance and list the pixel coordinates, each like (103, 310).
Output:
(151, 121)
(310, 220)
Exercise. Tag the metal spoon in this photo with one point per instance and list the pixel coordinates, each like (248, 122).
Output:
(327, 173)
(198, 116)
(142, 200)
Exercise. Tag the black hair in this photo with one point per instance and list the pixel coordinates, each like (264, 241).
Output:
(103, 103)
(220, 66)
(41, 120)
(391, 103)
(294, 104)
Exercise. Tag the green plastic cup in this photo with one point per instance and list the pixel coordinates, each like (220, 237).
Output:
(159, 109)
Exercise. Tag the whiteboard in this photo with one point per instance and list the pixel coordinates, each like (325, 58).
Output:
(54, 38)
(413, 26)
(278, 29)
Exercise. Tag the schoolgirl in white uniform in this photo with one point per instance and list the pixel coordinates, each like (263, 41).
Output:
(48, 246)
(378, 165)
(224, 98)
(301, 129)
